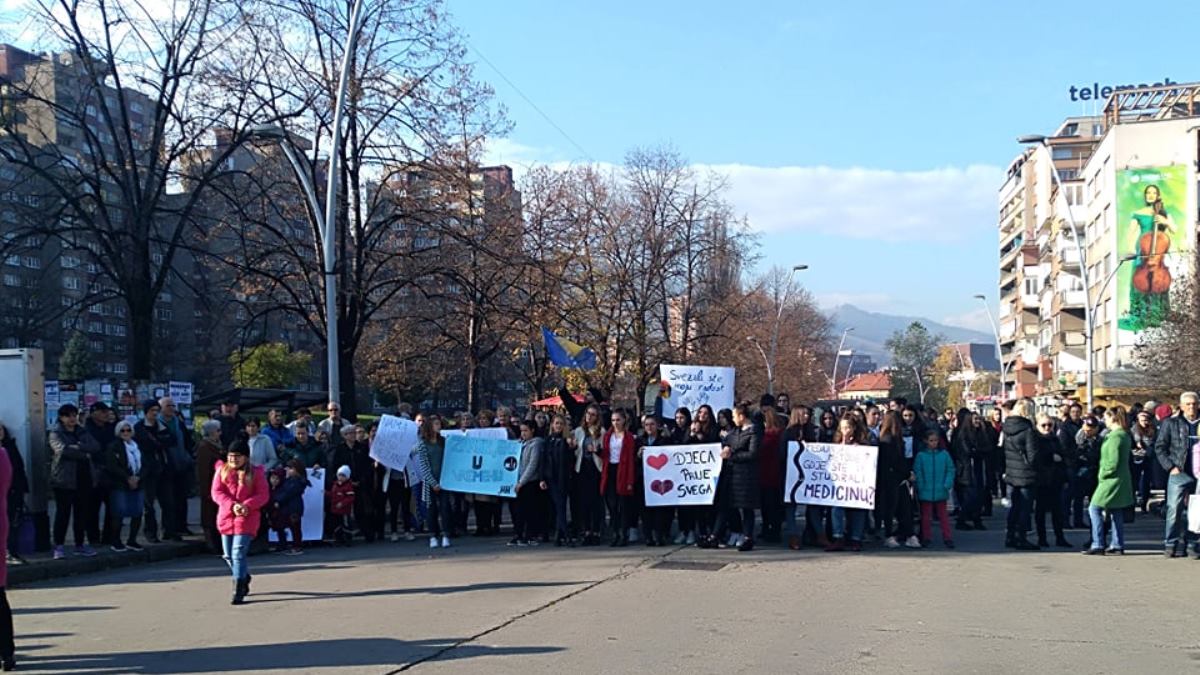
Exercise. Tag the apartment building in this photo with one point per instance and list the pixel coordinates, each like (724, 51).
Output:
(1111, 168)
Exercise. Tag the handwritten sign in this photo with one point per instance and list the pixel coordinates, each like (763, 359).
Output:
(313, 520)
(693, 386)
(480, 466)
(681, 475)
(497, 433)
(181, 392)
(826, 474)
(394, 442)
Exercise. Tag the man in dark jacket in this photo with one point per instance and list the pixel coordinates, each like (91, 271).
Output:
(232, 424)
(1020, 451)
(1082, 464)
(1173, 447)
(180, 477)
(102, 425)
(154, 439)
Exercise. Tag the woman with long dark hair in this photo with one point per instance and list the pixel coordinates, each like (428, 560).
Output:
(771, 458)
(740, 449)
(895, 485)
(709, 431)
(618, 476)
(969, 450)
(589, 519)
(849, 524)
(240, 491)
(557, 469)
(828, 427)
(682, 435)
(429, 454)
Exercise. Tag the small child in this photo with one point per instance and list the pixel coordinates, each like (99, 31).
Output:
(341, 505)
(287, 501)
(934, 470)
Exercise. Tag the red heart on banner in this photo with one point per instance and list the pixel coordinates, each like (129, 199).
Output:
(662, 487)
(657, 461)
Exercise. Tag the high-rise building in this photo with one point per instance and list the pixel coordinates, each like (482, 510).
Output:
(1129, 179)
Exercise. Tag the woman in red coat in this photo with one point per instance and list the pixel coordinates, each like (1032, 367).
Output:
(7, 648)
(240, 491)
(618, 477)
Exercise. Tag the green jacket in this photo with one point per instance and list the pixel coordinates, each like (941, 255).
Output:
(1114, 488)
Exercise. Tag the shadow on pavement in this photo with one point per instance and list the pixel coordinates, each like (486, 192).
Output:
(292, 596)
(311, 655)
(17, 611)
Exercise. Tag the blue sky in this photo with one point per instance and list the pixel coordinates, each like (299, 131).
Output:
(867, 140)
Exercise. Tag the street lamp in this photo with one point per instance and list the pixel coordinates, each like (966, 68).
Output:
(325, 223)
(770, 368)
(787, 289)
(999, 350)
(836, 357)
(1041, 142)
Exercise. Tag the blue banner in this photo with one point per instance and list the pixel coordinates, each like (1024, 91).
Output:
(480, 466)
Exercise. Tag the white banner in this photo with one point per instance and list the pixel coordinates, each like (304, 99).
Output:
(693, 386)
(313, 521)
(825, 474)
(394, 442)
(180, 392)
(681, 475)
(494, 433)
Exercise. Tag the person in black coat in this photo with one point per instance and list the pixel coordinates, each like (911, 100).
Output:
(658, 519)
(740, 449)
(557, 466)
(1020, 451)
(1051, 468)
(894, 495)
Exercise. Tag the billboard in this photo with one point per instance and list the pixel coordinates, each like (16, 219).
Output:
(1152, 226)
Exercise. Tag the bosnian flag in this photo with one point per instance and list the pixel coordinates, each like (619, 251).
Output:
(567, 354)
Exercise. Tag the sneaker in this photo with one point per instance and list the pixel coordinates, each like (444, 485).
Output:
(85, 551)
(522, 543)
(445, 542)
(913, 542)
(118, 548)
(533, 542)
(294, 551)
(691, 539)
(133, 546)
(395, 538)
(680, 539)
(732, 541)
(409, 536)
(59, 553)
(794, 542)
(1006, 503)
(891, 542)
(633, 534)
(433, 542)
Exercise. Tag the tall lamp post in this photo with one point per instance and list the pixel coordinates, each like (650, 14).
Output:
(325, 223)
(787, 289)
(770, 367)
(999, 350)
(836, 357)
(1041, 142)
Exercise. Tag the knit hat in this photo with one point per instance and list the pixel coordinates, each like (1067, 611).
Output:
(344, 471)
(148, 404)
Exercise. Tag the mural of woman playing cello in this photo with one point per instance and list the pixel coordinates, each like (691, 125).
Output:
(1149, 296)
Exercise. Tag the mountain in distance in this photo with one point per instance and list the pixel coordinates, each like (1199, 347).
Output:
(872, 330)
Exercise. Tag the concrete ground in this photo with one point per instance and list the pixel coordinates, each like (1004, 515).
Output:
(480, 607)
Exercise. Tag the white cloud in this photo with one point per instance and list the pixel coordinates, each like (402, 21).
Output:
(949, 204)
(974, 320)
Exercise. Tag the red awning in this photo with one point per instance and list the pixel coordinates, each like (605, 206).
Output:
(554, 401)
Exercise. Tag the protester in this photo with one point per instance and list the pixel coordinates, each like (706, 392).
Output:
(366, 494)
(306, 449)
(232, 424)
(287, 501)
(1051, 469)
(73, 475)
(209, 451)
(1114, 487)
(8, 649)
(1142, 461)
(397, 496)
(618, 477)
(935, 476)
(101, 424)
(771, 461)
(557, 469)
(18, 488)
(155, 440)
(277, 431)
(179, 469)
(429, 453)
(527, 517)
(894, 492)
(740, 449)
(123, 471)
(1020, 450)
(262, 449)
(969, 450)
(1173, 447)
(589, 437)
(240, 491)
(657, 520)
(333, 425)
(849, 524)
(341, 506)
(302, 417)
(828, 427)
(1081, 480)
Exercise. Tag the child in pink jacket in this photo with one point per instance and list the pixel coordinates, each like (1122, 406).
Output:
(240, 491)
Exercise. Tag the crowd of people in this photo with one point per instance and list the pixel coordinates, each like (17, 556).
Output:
(580, 477)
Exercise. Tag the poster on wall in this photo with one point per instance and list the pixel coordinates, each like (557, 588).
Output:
(1153, 227)
(693, 386)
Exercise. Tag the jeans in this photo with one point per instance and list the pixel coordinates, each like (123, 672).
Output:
(1019, 513)
(789, 520)
(1074, 495)
(1141, 480)
(1179, 488)
(849, 523)
(235, 547)
(439, 513)
(1117, 541)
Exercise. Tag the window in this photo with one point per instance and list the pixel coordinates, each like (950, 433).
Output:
(1071, 129)
(1097, 129)
(12, 280)
(94, 309)
(67, 301)
(1062, 152)
(1031, 286)
(157, 258)
(70, 323)
(95, 327)
(120, 368)
(70, 283)
(96, 345)
(13, 260)
(69, 262)
(32, 262)
(165, 314)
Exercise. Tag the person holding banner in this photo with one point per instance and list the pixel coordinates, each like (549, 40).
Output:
(527, 516)
(682, 435)
(657, 520)
(589, 438)
(849, 524)
(772, 458)
(710, 432)
(740, 449)
(618, 477)
(429, 453)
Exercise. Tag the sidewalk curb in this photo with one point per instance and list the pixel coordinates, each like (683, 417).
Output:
(45, 570)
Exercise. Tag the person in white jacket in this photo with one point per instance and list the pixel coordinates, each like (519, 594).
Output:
(262, 450)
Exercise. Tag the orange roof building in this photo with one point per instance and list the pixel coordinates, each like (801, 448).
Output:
(873, 386)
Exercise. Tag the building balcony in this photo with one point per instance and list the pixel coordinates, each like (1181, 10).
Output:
(1068, 256)
(1069, 299)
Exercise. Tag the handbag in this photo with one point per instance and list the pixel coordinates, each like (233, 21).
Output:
(1194, 513)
